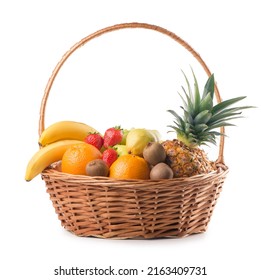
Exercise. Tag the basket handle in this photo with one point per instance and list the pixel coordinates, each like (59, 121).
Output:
(123, 26)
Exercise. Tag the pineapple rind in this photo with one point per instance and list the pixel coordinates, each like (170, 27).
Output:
(186, 161)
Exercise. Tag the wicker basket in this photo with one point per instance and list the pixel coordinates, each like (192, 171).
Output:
(122, 209)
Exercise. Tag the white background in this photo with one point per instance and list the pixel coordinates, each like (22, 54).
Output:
(98, 86)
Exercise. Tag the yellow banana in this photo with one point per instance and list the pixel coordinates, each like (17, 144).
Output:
(65, 130)
(46, 156)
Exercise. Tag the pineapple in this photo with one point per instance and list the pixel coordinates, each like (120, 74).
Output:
(186, 161)
(197, 127)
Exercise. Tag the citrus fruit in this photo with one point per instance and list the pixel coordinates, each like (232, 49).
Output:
(130, 167)
(77, 156)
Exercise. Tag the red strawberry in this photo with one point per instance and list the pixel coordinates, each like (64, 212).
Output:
(109, 156)
(112, 136)
(94, 139)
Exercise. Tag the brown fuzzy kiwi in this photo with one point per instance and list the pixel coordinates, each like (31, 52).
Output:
(154, 153)
(161, 171)
(97, 167)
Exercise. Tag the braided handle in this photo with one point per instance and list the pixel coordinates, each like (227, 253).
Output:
(123, 26)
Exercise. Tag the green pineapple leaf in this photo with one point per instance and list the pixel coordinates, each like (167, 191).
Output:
(200, 127)
(209, 87)
(187, 117)
(218, 125)
(224, 104)
(189, 87)
(197, 98)
(188, 105)
(177, 117)
(223, 115)
(202, 117)
(206, 103)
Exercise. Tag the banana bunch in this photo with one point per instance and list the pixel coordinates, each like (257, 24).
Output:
(65, 130)
(53, 142)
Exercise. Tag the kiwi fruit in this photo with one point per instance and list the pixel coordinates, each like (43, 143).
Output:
(154, 153)
(161, 171)
(97, 167)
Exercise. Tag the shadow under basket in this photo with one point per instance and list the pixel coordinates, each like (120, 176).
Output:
(122, 209)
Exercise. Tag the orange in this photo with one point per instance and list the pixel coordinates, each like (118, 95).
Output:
(77, 156)
(130, 167)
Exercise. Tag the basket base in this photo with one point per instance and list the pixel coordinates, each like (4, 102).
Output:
(106, 208)
(152, 236)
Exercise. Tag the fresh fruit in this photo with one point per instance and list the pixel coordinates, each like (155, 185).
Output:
(120, 149)
(130, 167)
(109, 156)
(161, 171)
(97, 167)
(124, 136)
(197, 127)
(65, 130)
(154, 153)
(155, 134)
(137, 139)
(77, 156)
(46, 156)
(186, 161)
(112, 136)
(58, 165)
(94, 139)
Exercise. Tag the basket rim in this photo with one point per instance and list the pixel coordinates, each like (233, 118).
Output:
(51, 171)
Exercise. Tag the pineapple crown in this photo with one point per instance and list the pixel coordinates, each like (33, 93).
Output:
(201, 117)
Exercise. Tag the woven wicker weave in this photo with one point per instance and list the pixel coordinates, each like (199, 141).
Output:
(122, 209)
